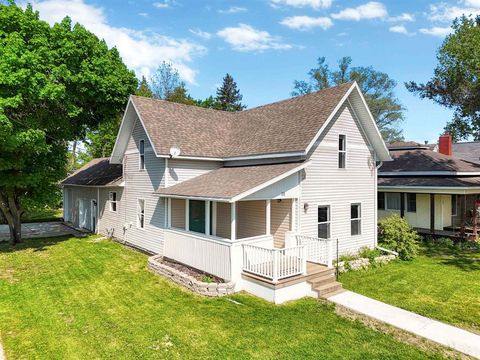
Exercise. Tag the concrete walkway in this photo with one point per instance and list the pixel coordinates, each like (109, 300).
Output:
(447, 335)
(36, 230)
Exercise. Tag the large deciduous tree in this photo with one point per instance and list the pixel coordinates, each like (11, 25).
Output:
(228, 95)
(377, 87)
(456, 80)
(55, 84)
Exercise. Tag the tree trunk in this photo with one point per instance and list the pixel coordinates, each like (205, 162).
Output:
(12, 211)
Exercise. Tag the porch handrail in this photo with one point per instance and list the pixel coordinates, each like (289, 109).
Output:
(318, 250)
(274, 264)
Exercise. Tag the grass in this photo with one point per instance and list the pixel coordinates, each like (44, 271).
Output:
(442, 283)
(69, 298)
(43, 215)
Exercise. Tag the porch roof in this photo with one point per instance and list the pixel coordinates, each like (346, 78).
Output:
(232, 183)
(97, 172)
(430, 181)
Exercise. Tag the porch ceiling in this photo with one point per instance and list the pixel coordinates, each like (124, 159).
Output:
(232, 183)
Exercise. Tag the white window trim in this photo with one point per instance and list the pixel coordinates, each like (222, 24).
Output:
(360, 218)
(342, 151)
(140, 156)
(110, 201)
(138, 213)
(329, 221)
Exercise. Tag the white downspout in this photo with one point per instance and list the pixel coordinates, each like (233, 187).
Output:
(375, 205)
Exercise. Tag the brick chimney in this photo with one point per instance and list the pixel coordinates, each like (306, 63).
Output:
(445, 144)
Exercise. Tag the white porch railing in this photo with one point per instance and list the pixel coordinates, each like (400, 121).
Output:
(274, 264)
(318, 250)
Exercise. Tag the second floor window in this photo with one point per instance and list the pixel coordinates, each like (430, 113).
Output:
(141, 152)
(342, 151)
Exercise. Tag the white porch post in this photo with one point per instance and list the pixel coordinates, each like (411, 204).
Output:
(169, 212)
(207, 217)
(214, 218)
(268, 213)
(233, 221)
(293, 216)
(187, 220)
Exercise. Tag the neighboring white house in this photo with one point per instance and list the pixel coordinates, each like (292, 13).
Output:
(258, 197)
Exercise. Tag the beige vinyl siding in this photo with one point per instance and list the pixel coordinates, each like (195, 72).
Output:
(223, 220)
(280, 220)
(326, 184)
(181, 170)
(251, 218)
(178, 213)
(107, 219)
(141, 184)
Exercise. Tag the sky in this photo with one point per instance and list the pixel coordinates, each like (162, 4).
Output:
(267, 44)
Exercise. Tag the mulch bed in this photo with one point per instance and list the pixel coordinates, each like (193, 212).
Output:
(197, 274)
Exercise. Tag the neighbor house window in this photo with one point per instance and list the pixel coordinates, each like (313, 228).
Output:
(342, 151)
(355, 219)
(140, 213)
(381, 201)
(324, 222)
(141, 151)
(412, 202)
(454, 205)
(393, 201)
(112, 196)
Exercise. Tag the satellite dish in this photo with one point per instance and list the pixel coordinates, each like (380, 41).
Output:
(174, 151)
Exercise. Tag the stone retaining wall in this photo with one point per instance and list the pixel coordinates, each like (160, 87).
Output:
(363, 263)
(208, 289)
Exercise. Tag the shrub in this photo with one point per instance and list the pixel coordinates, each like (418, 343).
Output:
(207, 279)
(370, 254)
(396, 234)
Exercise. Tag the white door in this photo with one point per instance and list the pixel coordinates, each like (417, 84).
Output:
(82, 213)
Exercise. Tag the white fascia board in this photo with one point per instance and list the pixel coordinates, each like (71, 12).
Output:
(430, 189)
(192, 197)
(270, 182)
(117, 140)
(144, 128)
(426, 173)
(265, 156)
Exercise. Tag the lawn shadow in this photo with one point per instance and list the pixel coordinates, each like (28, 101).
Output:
(466, 260)
(37, 244)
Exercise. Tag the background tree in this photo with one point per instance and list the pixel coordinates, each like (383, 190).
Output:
(377, 87)
(180, 95)
(144, 88)
(228, 95)
(55, 84)
(456, 80)
(164, 81)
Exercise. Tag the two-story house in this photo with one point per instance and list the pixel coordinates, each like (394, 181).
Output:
(259, 197)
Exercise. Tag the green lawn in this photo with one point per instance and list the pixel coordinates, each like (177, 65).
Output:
(442, 283)
(43, 215)
(88, 299)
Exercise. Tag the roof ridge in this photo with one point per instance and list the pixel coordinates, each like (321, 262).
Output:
(182, 105)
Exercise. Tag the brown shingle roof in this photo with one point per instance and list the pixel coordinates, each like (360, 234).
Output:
(404, 145)
(430, 181)
(284, 126)
(469, 151)
(425, 160)
(98, 172)
(228, 182)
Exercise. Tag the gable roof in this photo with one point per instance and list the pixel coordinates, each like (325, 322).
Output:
(231, 183)
(97, 172)
(287, 127)
(424, 160)
(469, 151)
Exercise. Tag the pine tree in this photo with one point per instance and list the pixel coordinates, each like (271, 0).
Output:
(228, 95)
(144, 88)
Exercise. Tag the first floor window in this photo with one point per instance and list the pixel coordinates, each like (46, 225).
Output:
(454, 205)
(412, 202)
(356, 219)
(141, 213)
(381, 201)
(324, 222)
(393, 201)
(112, 196)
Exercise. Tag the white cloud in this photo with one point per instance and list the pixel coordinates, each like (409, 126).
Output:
(144, 14)
(307, 22)
(443, 12)
(162, 4)
(436, 31)
(203, 34)
(400, 29)
(370, 10)
(233, 10)
(314, 4)
(402, 17)
(246, 38)
(142, 51)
